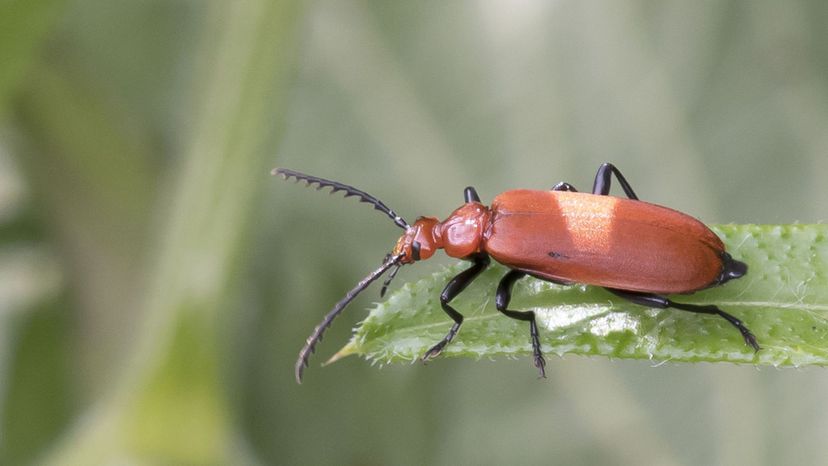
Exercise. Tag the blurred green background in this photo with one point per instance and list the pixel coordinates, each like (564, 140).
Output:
(156, 283)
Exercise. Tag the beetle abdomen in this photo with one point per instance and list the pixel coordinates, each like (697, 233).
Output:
(603, 240)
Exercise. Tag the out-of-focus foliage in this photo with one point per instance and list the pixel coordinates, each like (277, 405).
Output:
(156, 282)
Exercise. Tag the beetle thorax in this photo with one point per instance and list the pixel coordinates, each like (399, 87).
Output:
(461, 234)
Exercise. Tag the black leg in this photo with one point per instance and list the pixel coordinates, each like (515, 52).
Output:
(602, 181)
(564, 186)
(651, 300)
(470, 195)
(502, 299)
(454, 287)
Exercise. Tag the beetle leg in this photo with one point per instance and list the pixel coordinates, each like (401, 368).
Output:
(470, 195)
(651, 300)
(564, 186)
(454, 287)
(502, 298)
(602, 181)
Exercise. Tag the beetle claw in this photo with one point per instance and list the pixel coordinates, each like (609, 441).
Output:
(750, 340)
(540, 363)
(434, 351)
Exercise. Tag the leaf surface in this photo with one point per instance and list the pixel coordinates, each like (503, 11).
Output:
(783, 300)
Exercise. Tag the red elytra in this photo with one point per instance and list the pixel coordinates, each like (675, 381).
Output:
(575, 237)
(634, 249)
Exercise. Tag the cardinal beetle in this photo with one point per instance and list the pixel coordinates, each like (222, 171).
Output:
(636, 250)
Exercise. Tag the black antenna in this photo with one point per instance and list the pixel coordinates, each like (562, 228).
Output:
(316, 336)
(349, 191)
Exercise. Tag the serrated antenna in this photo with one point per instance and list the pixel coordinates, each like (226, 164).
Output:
(316, 336)
(349, 191)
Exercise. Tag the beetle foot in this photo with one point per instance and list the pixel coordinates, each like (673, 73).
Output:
(540, 363)
(434, 351)
(750, 339)
(438, 348)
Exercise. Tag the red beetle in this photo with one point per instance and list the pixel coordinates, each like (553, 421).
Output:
(636, 250)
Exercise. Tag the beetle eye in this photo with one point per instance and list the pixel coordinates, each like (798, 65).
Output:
(415, 250)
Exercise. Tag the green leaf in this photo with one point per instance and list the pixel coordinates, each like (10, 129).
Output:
(783, 299)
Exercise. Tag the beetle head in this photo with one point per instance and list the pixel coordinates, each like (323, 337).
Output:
(419, 241)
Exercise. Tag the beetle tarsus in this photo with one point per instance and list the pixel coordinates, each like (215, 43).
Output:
(537, 354)
(435, 350)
